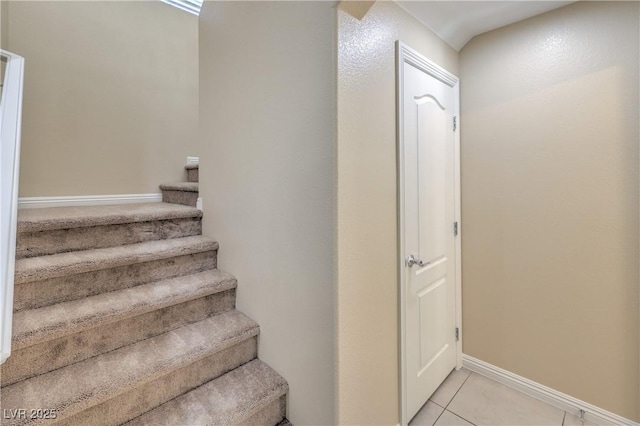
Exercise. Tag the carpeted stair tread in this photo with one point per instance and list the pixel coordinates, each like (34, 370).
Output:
(72, 389)
(193, 172)
(34, 326)
(180, 186)
(230, 399)
(63, 264)
(32, 220)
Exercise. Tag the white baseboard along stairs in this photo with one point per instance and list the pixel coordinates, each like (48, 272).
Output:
(122, 317)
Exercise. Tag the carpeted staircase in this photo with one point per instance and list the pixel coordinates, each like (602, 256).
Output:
(121, 316)
(183, 192)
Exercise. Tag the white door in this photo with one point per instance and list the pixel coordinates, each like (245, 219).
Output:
(428, 226)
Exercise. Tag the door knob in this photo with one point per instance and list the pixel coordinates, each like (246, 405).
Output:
(413, 261)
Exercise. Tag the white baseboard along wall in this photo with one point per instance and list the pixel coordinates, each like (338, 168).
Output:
(590, 412)
(86, 200)
(91, 200)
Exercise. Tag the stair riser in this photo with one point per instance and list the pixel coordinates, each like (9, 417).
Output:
(144, 398)
(192, 175)
(46, 292)
(57, 353)
(272, 414)
(30, 244)
(180, 197)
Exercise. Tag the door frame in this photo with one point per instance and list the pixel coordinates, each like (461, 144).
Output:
(405, 54)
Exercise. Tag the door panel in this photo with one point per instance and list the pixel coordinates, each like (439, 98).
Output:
(433, 339)
(431, 158)
(428, 193)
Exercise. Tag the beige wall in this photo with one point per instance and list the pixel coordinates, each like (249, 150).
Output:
(110, 95)
(267, 118)
(3, 23)
(367, 239)
(550, 201)
(3, 34)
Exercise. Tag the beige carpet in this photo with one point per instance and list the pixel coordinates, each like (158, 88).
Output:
(121, 316)
(182, 192)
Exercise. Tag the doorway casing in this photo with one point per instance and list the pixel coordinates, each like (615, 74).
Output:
(405, 54)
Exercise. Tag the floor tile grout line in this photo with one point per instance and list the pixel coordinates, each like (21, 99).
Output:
(463, 418)
(565, 413)
(454, 395)
(439, 415)
(437, 404)
(458, 415)
(444, 407)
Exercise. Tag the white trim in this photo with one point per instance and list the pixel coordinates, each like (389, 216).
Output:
(405, 54)
(402, 337)
(414, 58)
(550, 396)
(86, 200)
(193, 160)
(10, 132)
(199, 204)
(458, 218)
(191, 6)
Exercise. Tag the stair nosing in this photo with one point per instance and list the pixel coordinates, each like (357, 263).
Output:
(180, 186)
(279, 388)
(71, 263)
(156, 212)
(92, 394)
(216, 281)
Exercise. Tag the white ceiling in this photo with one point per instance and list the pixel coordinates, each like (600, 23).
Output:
(457, 22)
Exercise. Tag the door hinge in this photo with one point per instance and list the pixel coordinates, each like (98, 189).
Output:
(455, 122)
(457, 334)
(455, 229)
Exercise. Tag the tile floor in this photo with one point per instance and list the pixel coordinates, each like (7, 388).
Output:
(467, 398)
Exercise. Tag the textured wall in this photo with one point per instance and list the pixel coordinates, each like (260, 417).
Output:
(4, 7)
(367, 220)
(267, 177)
(110, 95)
(3, 24)
(550, 201)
